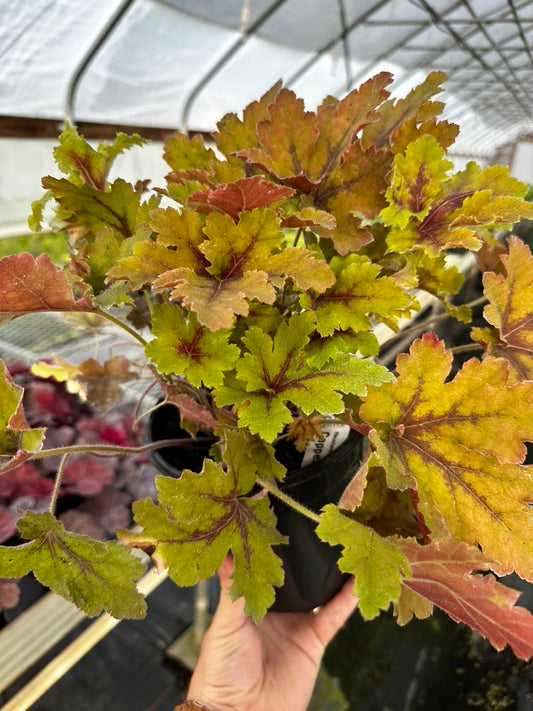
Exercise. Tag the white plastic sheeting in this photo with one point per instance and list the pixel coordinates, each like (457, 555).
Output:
(184, 63)
(157, 55)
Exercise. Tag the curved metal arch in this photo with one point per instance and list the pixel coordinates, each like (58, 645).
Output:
(93, 50)
(250, 30)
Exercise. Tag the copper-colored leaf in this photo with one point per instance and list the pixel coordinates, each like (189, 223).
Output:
(417, 104)
(34, 284)
(244, 194)
(188, 407)
(446, 573)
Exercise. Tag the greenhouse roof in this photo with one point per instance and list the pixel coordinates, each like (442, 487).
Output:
(182, 64)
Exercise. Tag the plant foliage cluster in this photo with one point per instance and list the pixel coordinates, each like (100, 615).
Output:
(255, 282)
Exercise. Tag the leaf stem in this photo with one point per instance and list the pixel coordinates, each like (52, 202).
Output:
(122, 325)
(57, 484)
(428, 322)
(466, 347)
(108, 450)
(275, 491)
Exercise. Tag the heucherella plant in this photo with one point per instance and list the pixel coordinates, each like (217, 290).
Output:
(255, 283)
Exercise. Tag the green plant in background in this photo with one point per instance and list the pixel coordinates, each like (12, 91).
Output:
(254, 284)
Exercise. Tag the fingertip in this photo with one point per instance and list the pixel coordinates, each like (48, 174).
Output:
(225, 573)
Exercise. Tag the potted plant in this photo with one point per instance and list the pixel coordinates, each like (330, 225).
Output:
(255, 283)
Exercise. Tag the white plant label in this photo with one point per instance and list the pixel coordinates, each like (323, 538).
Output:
(334, 435)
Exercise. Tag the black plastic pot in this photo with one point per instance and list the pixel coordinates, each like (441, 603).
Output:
(164, 423)
(312, 576)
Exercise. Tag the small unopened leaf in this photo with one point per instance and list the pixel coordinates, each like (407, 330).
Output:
(377, 564)
(449, 574)
(30, 284)
(96, 576)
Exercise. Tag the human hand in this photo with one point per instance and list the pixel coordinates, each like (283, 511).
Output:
(247, 667)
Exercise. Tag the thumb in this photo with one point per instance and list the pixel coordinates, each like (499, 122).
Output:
(330, 618)
(226, 606)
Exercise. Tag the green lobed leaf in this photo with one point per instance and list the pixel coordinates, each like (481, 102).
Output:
(275, 373)
(359, 293)
(90, 208)
(184, 347)
(378, 565)
(95, 575)
(199, 518)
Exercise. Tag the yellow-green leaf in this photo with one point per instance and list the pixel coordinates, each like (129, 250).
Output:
(76, 158)
(278, 371)
(460, 444)
(509, 310)
(184, 347)
(358, 295)
(96, 576)
(199, 518)
(378, 566)
(17, 439)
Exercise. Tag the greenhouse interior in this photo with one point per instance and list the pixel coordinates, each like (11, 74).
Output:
(176, 73)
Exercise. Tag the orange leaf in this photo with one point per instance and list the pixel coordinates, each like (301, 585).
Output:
(443, 573)
(30, 284)
(416, 105)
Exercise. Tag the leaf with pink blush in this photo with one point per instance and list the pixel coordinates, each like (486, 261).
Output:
(8, 524)
(25, 480)
(86, 477)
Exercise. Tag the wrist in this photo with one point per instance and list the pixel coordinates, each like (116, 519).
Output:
(192, 705)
